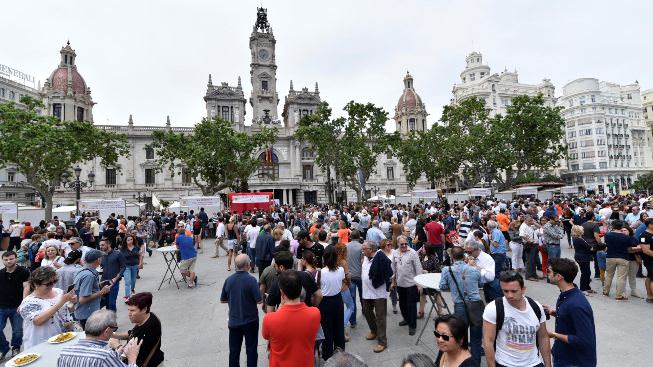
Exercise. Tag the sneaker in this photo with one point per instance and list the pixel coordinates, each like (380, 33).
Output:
(411, 331)
(3, 355)
(403, 323)
(621, 298)
(353, 326)
(649, 300)
(15, 351)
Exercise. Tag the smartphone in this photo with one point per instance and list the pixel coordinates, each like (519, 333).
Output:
(105, 283)
(71, 287)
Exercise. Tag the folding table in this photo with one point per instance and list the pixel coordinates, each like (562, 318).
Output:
(169, 256)
(430, 281)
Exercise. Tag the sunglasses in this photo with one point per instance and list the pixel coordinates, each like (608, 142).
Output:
(444, 337)
(50, 284)
(114, 328)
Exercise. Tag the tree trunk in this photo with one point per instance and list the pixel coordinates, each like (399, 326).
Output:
(47, 200)
(329, 185)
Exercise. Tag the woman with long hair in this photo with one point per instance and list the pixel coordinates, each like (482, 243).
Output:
(43, 311)
(233, 236)
(341, 251)
(132, 254)
(451, 337)
(332, 281)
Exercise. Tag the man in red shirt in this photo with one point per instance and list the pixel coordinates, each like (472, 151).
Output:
(292, 329)
(435, 235)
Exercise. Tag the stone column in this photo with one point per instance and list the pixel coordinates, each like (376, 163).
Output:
(285, 196)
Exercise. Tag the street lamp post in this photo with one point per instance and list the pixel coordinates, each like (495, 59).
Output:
(77, 184)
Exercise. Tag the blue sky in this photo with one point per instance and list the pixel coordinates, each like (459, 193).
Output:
(152, 58)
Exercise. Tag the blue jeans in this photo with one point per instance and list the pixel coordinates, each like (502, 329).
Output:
(554, 253)
(236, 334)
(499, 263)
(475, 333)
(251, 251)
(111, 297)
(16, 328)
(355, 283)
(130, 279)
(349, 302)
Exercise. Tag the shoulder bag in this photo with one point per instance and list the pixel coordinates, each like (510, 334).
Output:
(473, 309)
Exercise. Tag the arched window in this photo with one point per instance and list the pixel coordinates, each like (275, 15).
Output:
(411, 124)
(307, 153)
(269, 165)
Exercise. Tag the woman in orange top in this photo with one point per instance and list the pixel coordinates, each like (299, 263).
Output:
(343, 233)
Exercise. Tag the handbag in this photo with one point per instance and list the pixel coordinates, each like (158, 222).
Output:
(473, 309)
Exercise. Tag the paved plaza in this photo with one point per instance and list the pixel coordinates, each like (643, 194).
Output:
(195, 329)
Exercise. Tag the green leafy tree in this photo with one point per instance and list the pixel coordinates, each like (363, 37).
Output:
(347, 144)
(43, 148)
(533, 135)
(644, 183)
(363, 139)
(215, 155)
(323, 134)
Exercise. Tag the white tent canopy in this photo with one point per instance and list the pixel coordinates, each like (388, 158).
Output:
(527, 190)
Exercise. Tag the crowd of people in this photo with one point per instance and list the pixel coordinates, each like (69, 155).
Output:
(312, 261)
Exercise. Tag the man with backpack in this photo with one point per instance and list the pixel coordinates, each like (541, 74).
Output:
(514, 327)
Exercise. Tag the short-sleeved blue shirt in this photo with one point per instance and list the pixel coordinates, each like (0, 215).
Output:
(241, 291)
(86, 283)
(498, 236)
(186, 247)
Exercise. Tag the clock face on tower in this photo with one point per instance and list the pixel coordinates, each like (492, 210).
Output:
(263, 54)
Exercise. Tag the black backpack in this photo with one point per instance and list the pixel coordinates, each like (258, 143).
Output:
(501, 315)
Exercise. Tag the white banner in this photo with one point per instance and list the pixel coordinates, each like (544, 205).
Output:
(527, 190)
(480, 192)
(248, 199)
(569, 190)
(102, 205)
(425, 193)
(7, 208)
(200, 201)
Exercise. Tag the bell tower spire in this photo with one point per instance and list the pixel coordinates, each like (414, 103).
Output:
(263, 71)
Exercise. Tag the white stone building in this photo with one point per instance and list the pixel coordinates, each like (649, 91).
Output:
(497, 89)
(292, 175)
(606, 134)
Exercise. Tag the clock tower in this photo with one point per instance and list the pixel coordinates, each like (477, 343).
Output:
(263, 71)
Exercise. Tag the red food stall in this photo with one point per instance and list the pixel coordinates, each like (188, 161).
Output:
(244, 201)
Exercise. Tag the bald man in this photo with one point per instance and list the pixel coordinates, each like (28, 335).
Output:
(241, 292)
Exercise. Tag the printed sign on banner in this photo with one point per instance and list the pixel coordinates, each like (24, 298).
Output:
(200, 201)
(250, 199)
(100, 205)
(7, 208)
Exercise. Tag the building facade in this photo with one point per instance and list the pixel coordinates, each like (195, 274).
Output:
(291, 174)
(15, 84)
(608, 139)
(496, 89)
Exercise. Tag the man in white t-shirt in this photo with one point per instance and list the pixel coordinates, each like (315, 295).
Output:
(252, 235)
(522, 339)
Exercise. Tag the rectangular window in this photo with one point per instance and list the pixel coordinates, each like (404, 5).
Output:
(56, 110)
(601, 153)
(603, 164)
(600, 141)
(571, 134)
(391, 173)
(186, 179)
(307, 172)
(149, 153)
(589, 166)
(226, 113)
(110, 177)
(264, 85)
(149, 176)
(80, 114)
(593, 98)
(472, 77)
(10, 195)
(587, 143)
(573, 145)
(589, 154)
(11, 176)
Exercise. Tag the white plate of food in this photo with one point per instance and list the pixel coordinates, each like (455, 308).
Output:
(62, 338)
(23, 359)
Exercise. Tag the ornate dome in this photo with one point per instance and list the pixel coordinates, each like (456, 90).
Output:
(409, 98)
(67, 71)
(59, 80)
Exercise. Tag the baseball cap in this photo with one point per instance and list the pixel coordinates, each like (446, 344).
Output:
(93, 255)
(72, 257)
